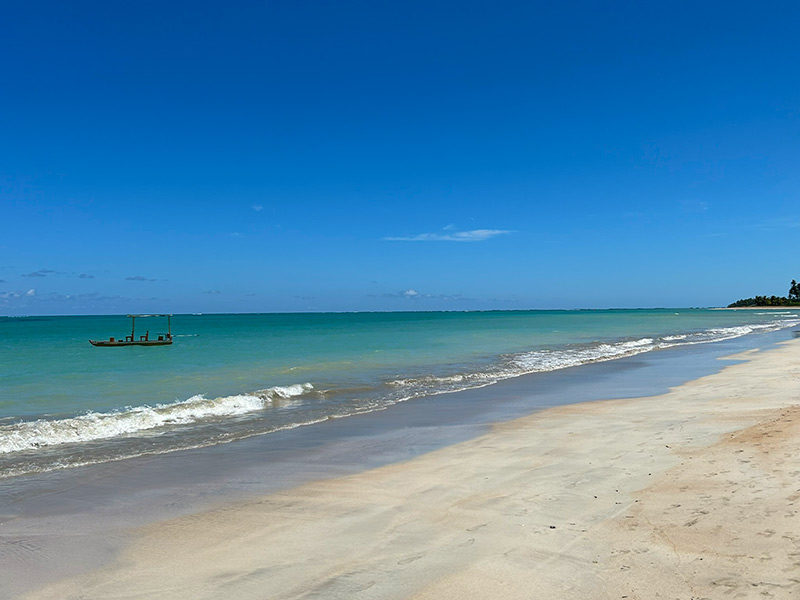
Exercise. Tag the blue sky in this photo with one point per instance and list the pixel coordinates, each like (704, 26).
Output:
(292, 156)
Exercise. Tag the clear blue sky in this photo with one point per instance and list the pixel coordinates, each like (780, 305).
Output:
(292, 156)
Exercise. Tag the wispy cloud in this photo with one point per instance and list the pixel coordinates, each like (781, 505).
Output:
(40, 273)
(10, 295)
(138, 278)
(31, 297)
(412, 294)
(779, 223)
(449, 234)
(695, 206)
(85, 276)
(213, 292)
(257, 207)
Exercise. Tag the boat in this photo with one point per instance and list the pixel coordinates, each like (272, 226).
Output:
(162, 339)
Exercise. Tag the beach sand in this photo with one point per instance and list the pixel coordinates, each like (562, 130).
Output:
(691, 494)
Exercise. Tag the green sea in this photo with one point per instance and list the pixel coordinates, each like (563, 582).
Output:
(64, 402)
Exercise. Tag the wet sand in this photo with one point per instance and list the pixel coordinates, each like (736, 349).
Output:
(691, 494)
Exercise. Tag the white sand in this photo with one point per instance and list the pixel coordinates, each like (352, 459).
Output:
(693, 494)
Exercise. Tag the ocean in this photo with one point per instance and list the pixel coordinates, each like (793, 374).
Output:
(227, 377)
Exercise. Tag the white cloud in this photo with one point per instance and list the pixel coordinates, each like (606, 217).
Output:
(257, 207)
(10, 295)
(412, 294)
(450, 235)
(40, 273)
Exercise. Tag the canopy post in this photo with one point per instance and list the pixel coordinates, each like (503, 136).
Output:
(133, 326)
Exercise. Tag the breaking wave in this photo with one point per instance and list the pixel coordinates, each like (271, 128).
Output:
(543, 360)
(98, 426)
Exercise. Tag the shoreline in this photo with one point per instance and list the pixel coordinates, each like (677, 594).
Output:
(577, 500)
(792, 307)
(113, 406)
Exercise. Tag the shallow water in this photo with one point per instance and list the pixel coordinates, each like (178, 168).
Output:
(64, 403)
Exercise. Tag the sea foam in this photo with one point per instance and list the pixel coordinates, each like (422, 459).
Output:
(544, 360)
(97, 426)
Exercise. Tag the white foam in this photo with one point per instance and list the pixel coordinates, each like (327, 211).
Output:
(284, 392)
(59, 464)
(675, 338)
(538, 361)
(97, 426)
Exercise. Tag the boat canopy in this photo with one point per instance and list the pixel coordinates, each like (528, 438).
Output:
(150, 315)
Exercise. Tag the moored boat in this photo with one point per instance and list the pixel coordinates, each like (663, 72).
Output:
(163, 339)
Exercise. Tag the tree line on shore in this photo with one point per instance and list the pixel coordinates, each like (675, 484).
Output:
(793, 299)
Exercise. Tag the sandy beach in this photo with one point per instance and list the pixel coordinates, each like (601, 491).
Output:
(691, 494)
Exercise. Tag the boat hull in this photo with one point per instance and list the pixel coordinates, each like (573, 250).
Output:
(125, 343)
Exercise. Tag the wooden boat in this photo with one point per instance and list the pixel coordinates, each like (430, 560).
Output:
(163, 339)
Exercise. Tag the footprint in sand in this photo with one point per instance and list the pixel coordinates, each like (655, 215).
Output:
(469, 542)
(767, 532)
(410, 559)
(363, 586)
(476, 527)
(20, 548)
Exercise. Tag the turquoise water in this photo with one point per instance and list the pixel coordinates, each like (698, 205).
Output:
(64, 402)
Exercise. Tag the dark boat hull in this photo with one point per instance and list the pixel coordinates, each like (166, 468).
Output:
(125, 343)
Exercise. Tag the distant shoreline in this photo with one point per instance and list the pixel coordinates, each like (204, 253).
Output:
(757, 308)
(31, 317)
